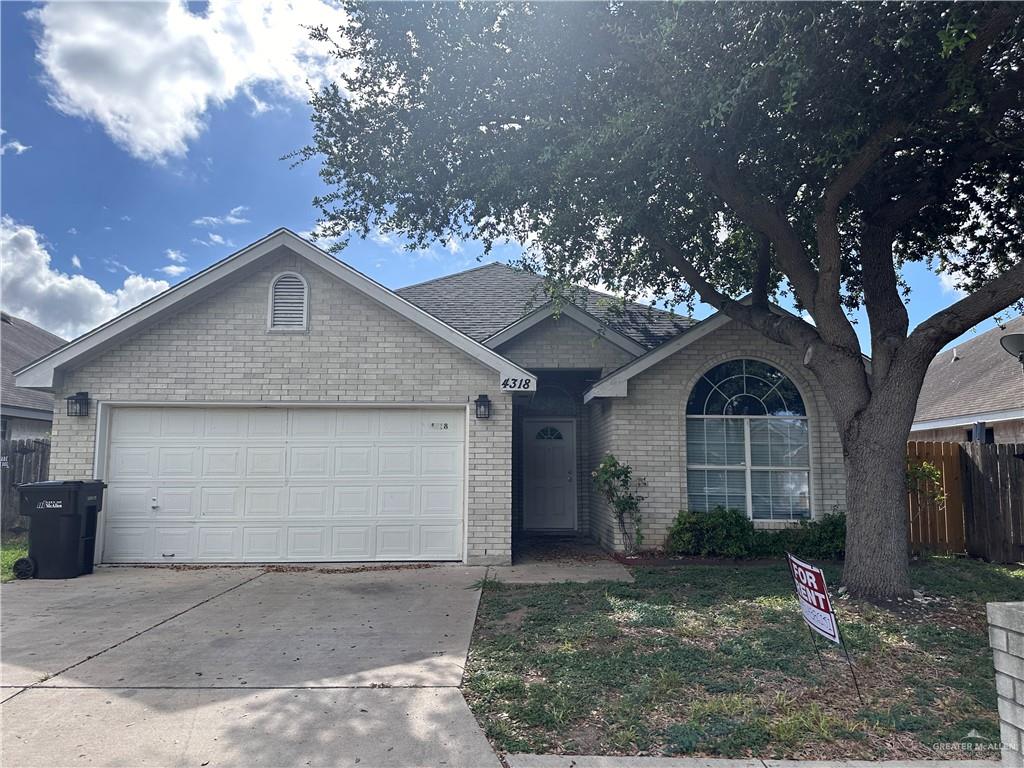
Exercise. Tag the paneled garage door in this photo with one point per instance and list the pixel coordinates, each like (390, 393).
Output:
(291, 484)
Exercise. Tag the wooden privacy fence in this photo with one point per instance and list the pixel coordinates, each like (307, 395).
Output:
(977, 505)
(21, 461)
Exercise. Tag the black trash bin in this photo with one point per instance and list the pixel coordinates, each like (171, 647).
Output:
(62, 529)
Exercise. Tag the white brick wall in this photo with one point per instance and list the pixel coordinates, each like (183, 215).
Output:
(647, 430)
(355, 351)
(1006, 636)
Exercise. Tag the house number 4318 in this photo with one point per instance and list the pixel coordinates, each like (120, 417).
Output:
(512, 383)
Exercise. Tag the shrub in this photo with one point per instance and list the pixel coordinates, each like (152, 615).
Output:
(730, 533)
(614, 481)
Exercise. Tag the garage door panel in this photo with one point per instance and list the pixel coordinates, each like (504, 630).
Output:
(175, 543)
(219, 543)
(436, 540)
(396, 542)
(307, 543)
(222, 502)
(263, 462)
(181, 422)
(265, 501)
(128, 543)
(222, 463)
(441, 460)
(264, 543)
(284, 484)
(354, 501)
(129, 462)
(178, 462)
(354, 460)
(128, 501)
(352, 542)
(306, 501)
(396, 460)
(175, 502)
(309, 461)
(222, 424)
(396, 501)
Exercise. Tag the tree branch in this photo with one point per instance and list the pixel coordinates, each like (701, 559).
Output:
(762, 273)
(942, 327)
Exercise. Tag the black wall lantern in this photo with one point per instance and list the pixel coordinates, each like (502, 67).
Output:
(483, 407)
(78, 404)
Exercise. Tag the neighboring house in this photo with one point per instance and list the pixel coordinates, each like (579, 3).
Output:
(24, 414)
(282, 406)
(973, 391)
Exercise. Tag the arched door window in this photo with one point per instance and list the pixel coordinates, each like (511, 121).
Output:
(747, 443)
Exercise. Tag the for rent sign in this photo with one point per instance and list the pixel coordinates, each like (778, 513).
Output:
(813, 597)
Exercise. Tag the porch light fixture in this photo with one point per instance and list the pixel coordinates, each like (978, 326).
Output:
(78, 404)
(483, 407)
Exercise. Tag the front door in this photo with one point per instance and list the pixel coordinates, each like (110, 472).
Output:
(549, 477)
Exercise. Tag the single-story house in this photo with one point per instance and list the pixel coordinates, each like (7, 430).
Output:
(973, 392)
(24, 414)
(280, 405)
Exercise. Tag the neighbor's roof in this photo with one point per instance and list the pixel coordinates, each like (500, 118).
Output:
(21, 343)
(977, 376)
(482, 301)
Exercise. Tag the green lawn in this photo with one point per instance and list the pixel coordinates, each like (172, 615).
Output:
(714, 660)
(11, 548)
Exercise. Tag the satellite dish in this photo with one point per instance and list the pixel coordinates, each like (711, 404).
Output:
(1014, 344)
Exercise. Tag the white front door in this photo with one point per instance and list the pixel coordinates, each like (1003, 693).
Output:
(549, 474)
(221, 484)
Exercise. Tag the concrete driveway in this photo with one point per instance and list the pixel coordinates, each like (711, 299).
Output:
(240, 666)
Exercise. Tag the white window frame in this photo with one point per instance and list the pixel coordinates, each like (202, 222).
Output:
(305, 305)
(748, 465)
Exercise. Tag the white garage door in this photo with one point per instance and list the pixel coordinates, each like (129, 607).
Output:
(290, 484)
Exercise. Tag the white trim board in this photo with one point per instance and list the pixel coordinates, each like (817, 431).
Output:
(968, 419)
(44, 373)
(573, 312)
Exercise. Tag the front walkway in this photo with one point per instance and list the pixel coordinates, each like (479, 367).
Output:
(241, 667)
(548, 561)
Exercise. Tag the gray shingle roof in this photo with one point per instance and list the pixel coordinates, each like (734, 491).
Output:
(980, 377)
(20, 344)
(484, 300)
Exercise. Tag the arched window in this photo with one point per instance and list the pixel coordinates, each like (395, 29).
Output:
(747, 443)
(288, 303)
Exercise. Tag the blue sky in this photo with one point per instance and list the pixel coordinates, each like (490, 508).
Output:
(142, 143)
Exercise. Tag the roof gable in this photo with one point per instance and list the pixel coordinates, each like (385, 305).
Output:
(43, 373)
(486, 300)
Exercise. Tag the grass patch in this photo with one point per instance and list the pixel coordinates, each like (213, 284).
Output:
(12, 547)
(715, 661)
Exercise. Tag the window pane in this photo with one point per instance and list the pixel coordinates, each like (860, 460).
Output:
(779, 495)
(710, 488)
(696, 451)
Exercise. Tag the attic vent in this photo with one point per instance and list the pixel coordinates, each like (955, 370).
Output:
(288, 303)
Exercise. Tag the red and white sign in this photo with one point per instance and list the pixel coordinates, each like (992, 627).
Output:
(812, 594)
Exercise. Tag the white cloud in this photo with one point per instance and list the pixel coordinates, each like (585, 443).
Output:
(126, 218)
(176, 256)
(67, 305)
(234, 216)
(212, 238)
(76, 262)
(948, 283)
(173, 270)
(215, 238)
(72, 231)
(149, 72)
(13, 145)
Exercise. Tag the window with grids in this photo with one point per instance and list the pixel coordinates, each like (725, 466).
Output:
(747, 443)
(288, 303)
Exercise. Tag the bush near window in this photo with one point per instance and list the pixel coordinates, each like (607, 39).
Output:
(730, 533)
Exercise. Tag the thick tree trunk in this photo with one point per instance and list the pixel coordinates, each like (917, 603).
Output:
(876, 516)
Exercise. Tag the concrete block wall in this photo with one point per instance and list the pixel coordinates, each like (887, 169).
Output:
(355, 351)
(647, 429)
(1006, 636)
